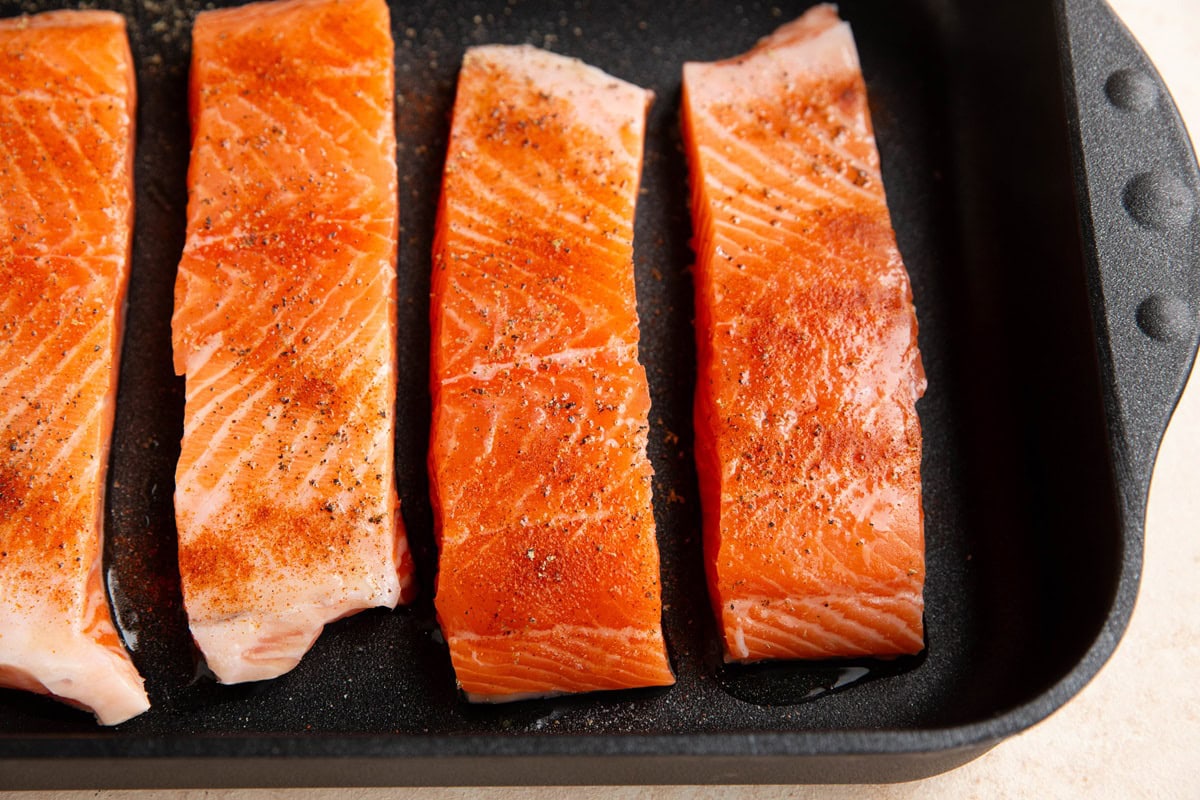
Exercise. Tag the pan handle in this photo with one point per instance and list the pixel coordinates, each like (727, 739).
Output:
(1138, 188)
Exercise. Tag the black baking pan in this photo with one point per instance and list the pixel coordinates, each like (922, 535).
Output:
(1044, 197)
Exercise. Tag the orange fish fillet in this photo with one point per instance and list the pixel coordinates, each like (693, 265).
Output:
(285, 326)
(548, 578)
(66, 216)
(808, 443)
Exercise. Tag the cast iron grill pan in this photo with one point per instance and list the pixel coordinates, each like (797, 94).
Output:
(1052, 371)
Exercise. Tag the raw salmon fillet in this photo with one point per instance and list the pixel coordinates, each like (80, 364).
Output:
(548, 579)
(285, 326)
(808, 444)
(66, 217)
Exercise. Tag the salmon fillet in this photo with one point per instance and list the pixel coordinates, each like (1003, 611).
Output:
(548, 578)
(808, 443)
(66, 217)
(285, 326)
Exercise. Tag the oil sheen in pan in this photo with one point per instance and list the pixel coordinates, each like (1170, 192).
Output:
(787, 683)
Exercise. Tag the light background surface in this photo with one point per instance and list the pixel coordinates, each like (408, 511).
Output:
(1134, 732)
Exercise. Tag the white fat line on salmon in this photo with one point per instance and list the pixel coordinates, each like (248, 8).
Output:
(488, 235)
(555, 215)
(330, 50)
(873, 505)
(198, 357)
(868, 620)
(767, 232)
(198, 242)
(821, 598)
(584, 297)
(68, 502)
(800, 190)
(313, 345)
(327, 462)
(70, 76)
(47, 167)
(807, 629)
(350, 346)
(539, 670)
(202, 403)
(86, 428)
(91, 176)
(571, 80)
(486, 371)
(44, 390)
(257, 118)
(856, 122)
(581, 677)
(22, 187)
(218, 495)
(379, 442)
(100, 101)
(737, 153)
(578, 523)
(898, 636)
(832, 581)
(323, 342)
(71, 73)
(333, 149)
(717, 190)
(768, 283)
(453, 327)
(221, 133)
(325, 101)
(356, 70)
(198, 285)
(531, 672)
(580, 634)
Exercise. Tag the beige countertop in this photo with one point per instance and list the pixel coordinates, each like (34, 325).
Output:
(1135, 730)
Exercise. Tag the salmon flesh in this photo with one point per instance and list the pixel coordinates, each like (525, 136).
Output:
(67, 98)
(285, 326)
(549, 575)
(808, 444)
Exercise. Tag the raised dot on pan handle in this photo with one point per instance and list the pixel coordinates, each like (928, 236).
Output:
(1165, 317)
(1131, 90)
(1158, 200)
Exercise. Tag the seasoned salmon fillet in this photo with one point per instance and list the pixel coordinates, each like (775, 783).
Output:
(808, 443)
(66, 215)
(548, 578)
(285, 326)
